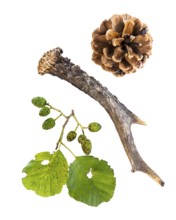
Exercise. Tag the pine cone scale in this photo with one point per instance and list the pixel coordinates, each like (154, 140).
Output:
(125, 66)
(117, 23)
(133, 61)
(100, 38)
(117, 41)
(110, 34)
(118, 54)
(108, 52)
(105, 25)
(128, 28)
(136, 52)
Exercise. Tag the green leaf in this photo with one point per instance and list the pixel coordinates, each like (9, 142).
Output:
(44, 111)
(46, 180)
(39, 102)
(94, 127)
(48, 124)
(91, 190)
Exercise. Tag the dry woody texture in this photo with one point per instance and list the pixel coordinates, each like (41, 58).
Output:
(121, 44)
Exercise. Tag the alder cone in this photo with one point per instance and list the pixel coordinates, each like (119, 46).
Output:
(121, 44)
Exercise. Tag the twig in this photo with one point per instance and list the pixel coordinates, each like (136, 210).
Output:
(59, 142)
(55, 64)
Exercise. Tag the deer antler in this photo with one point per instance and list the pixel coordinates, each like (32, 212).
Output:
(55, 64)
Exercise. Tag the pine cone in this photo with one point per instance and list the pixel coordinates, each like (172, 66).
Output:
(121, 44)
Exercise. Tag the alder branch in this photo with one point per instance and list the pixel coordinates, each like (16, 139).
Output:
(55, 64)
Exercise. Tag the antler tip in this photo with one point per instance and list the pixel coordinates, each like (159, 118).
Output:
(162, 183)
(139, 121)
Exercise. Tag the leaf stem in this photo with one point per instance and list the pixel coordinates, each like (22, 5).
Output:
(76, 128)
(59, 142)
(58, 117)
(57, 110)
(68, 149)
(78, 123)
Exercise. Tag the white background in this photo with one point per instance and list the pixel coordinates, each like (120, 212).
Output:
(30, 28)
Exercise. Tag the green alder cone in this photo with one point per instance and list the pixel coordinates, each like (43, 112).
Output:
(81, 138)
(86, 146)
(48, 124)
(91, 190)
(46, 180)
(94, 127)
(44, 111)
(39, 102)
(71, 136)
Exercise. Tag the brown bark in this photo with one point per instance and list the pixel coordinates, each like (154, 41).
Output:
(55, 64)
